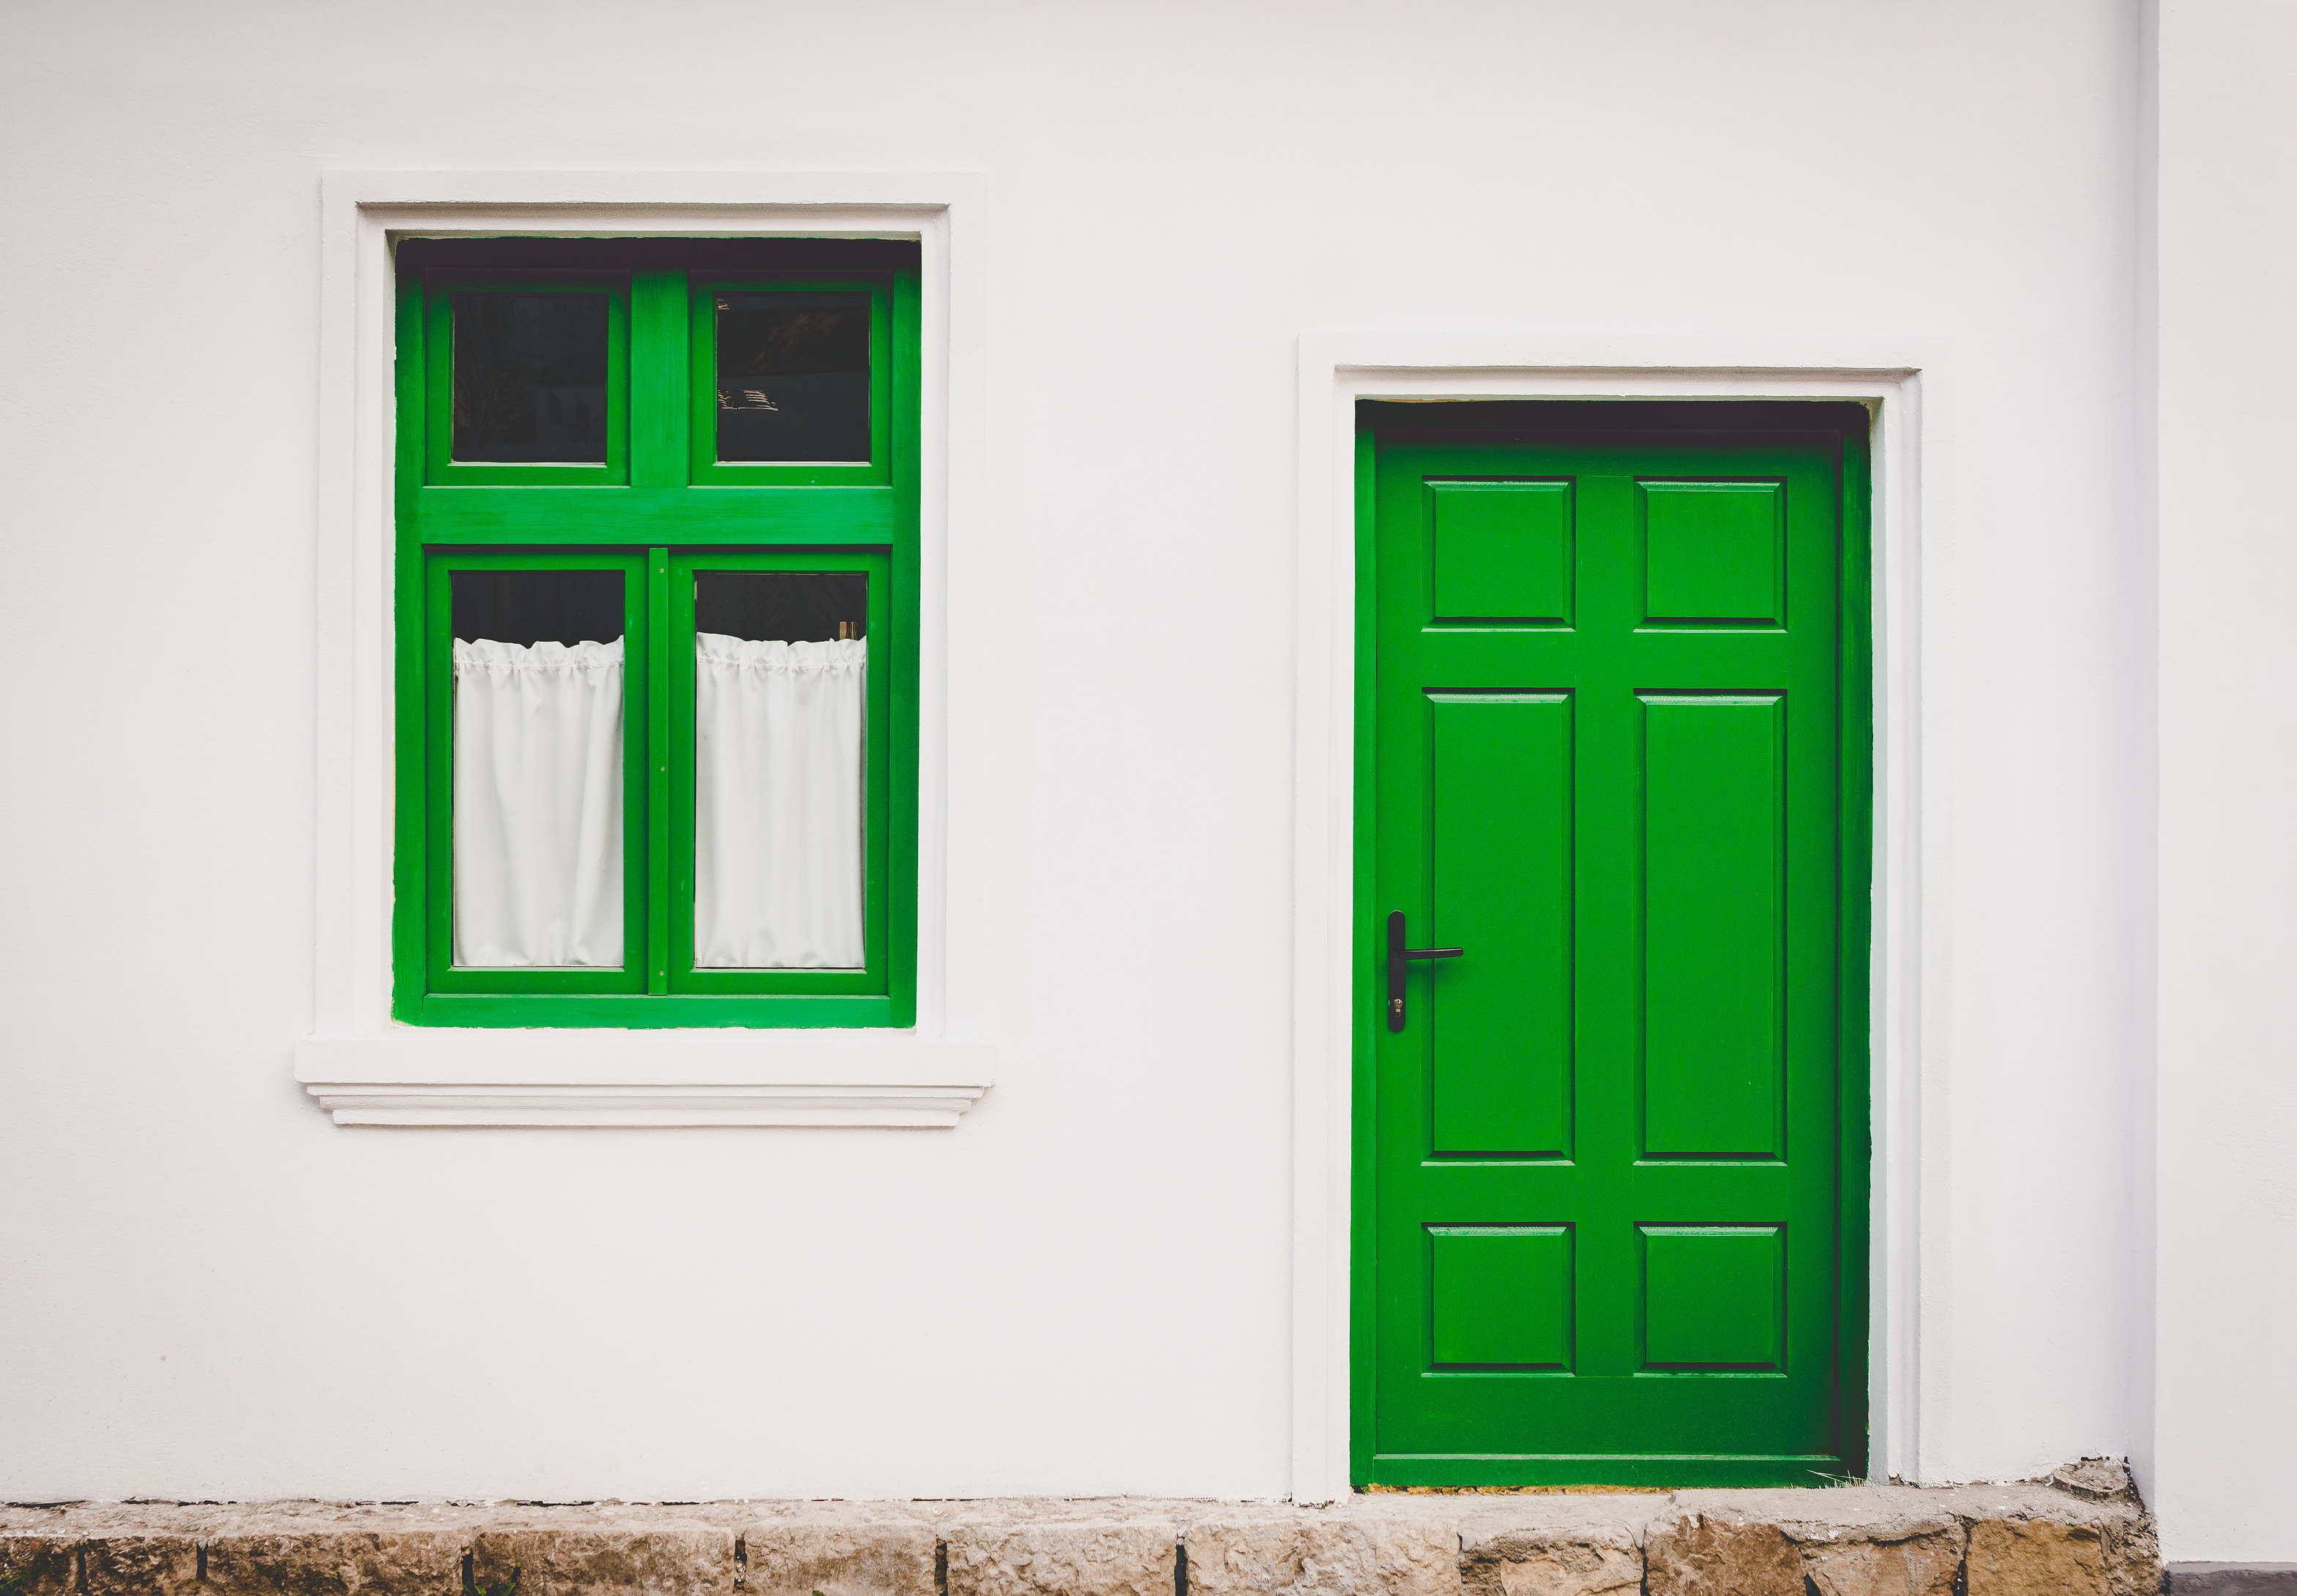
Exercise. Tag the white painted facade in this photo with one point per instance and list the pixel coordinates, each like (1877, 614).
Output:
(1101, 1278)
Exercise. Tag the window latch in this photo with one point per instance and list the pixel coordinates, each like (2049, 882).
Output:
(1399, 966)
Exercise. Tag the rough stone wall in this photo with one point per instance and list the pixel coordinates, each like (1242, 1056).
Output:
(2087, 1536)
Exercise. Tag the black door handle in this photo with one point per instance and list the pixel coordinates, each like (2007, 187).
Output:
(1398, 966)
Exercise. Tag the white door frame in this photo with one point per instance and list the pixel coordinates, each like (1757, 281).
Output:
(1902, 381)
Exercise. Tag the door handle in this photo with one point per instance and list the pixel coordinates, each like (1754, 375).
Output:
(1398, 966)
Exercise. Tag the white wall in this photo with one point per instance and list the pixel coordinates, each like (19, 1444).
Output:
(2223, 1473)
(1083, 1288)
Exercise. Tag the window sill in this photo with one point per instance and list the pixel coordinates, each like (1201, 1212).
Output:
(434, 1077)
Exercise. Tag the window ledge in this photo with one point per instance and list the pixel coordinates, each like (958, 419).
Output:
(661, 1078)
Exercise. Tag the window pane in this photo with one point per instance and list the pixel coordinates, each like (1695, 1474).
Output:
(537, 768)
(787, 606)
(527, 607)
(530, 377)
(778, 769)
(792, 377)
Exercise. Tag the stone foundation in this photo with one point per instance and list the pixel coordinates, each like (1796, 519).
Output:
(2079, 1535)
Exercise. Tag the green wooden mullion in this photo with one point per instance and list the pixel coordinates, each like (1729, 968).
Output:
(888, 860)
(702, 377)
(682, 774)
(648, 1011)
(408, 812)
(658, 379)
(438, 346)
(901, 446)
(436, 673)
(887, 362)
(658, 895)
(648, 516)
(903, 390)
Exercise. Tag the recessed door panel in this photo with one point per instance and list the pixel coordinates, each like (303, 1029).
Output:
(1499, 828)
(1714, 1297)
(1714, 858)
(1499, 1296)
(1503, 551)
(1714, 553)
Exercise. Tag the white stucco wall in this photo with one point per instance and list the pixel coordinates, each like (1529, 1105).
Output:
(214, 1292)
(2221, 1472)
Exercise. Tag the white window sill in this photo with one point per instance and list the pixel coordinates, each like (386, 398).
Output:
(421, 1076)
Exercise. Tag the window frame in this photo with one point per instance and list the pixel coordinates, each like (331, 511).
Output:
(438, 463)
(438, 695)
(708, 469)
(880, 726)
(660, 517)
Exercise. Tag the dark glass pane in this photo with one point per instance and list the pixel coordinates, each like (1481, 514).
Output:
(792, 377)
(527, 607)
(530, 377)
(782, 606)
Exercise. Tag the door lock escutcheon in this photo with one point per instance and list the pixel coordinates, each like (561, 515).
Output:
(1399, 966)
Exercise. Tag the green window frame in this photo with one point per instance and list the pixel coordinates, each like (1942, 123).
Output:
(878, 719)
(712, 471)
(661, 509)
(438, 464)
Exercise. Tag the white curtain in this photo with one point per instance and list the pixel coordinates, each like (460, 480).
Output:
(539, 804)
(777, 803)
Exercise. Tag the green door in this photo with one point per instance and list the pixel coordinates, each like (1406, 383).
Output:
(1612, 1152)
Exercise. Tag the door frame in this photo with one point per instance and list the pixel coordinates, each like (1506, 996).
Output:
(1902, 381)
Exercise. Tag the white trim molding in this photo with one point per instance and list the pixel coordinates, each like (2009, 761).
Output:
(366, 1069)
(1903, 383)
(461, 1077)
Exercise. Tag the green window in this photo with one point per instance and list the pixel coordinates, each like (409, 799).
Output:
(656, 644)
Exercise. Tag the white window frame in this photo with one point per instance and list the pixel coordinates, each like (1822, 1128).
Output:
(366, 1069)
(1904, 382)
